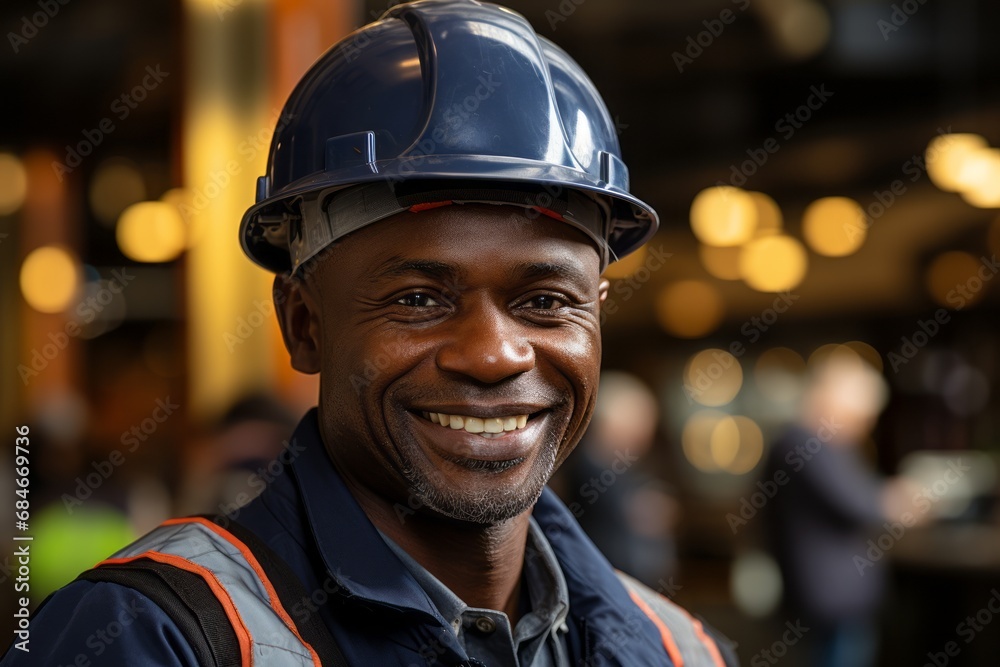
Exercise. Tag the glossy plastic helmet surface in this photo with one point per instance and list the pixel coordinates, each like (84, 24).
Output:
(441, 100)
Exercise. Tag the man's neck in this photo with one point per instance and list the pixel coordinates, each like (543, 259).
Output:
(480, 564)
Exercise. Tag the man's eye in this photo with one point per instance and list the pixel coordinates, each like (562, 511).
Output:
(418, 300)
(544, 302)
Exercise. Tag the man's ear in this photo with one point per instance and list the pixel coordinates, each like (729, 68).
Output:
(603, 288)
(299, 319)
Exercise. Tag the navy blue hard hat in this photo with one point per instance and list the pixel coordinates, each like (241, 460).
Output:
(441, 101)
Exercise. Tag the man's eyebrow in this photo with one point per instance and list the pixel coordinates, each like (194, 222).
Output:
(536, 270)
(397, 267)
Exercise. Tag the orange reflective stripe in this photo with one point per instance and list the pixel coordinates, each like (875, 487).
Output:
(665, 634)
(252, 560)
(239, 627)
(713, 649)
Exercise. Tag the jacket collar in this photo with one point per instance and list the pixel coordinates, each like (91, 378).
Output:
(366, 567)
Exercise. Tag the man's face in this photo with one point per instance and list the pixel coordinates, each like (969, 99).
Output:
(472, 315)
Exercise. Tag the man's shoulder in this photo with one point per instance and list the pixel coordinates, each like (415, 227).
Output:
(688, 634)
(101, 623)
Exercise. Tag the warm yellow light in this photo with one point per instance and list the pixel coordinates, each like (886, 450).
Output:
(116, 185)
(953, 279)
(689, 308)
(696, 439)
(712, 377)
(624, 268)
(722, 263)
(13, 183)
(773, 263)
(736, 444)
(50, 278)
(151, 231)
(834, 226)
(723, 216)
(980, 178)
(769, 219)
(946, 155)
(825, 354)
(778, 374)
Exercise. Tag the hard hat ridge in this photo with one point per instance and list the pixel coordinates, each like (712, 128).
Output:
(442, 90)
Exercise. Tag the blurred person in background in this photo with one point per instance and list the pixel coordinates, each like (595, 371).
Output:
(623, 508)
(231, 468)
(439, 208)
(828, 504)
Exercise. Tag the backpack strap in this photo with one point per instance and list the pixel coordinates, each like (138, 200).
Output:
(186, 599)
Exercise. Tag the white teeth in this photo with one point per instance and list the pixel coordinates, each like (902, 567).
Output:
(484, 427)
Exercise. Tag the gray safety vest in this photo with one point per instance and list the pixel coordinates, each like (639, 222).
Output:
(267, 635)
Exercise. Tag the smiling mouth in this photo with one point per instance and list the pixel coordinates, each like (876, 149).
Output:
(492, 427)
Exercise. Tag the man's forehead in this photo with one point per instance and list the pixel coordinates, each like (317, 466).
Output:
(445, 271)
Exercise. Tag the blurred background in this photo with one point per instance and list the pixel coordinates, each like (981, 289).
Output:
(829, 188)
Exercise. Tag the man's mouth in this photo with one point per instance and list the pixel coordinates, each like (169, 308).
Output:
(490, 427)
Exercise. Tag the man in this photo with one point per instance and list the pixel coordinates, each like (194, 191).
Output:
(832, 505)
(441, 199)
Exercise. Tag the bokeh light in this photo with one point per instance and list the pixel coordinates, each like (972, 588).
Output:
(723, 216)
(834, 226)
(624, 268)
(867, 353)
(696, 439)
(721, 263)
(116, 185)
(773, 263)
(769, 218)
(50, 279)
(953, 279)
(13, 183)
(778, 374)
(713, 377)
(756, 583)
(151, 231)
(736, 444)
(946, 155)
(689, 308)
(979, 178)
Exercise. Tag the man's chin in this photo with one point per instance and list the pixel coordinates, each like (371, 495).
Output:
(484, 507)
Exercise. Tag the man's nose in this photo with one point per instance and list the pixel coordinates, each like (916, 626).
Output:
(487, 344)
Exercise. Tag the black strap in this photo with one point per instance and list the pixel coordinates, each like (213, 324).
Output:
(187, 599)
(291, 593)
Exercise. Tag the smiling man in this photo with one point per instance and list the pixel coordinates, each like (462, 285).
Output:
(440, 203)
